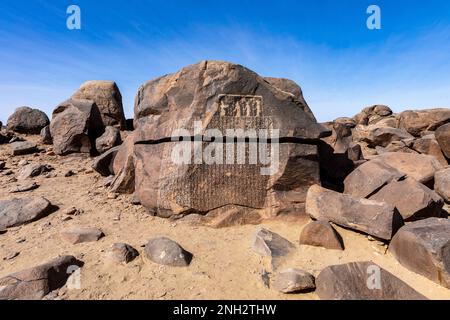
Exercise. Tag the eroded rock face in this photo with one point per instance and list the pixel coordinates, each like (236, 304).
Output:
(415, 122)
(413, 200)
(378, 219)
(19, 211)
(27, 120)
(359, 281)
(75, 126)
(442, 183)
(221, 96)
(37, 282)
(108, 99)
(424, 247)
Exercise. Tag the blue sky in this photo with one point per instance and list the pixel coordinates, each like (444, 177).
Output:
(325, 46)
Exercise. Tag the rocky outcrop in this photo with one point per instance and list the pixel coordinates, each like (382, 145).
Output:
(362, 281)
(378, 219)
(107, 97)
(27, 120)
(424, 247)
(443, 138)
(416, 122)
(372, 114)
(35, 283)
(219, 95)
(429, 145)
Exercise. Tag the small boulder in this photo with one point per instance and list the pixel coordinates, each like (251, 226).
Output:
(24, 187)
(413, 200)
(19, 211)
(122, 253)
(443, 138)
(46, 135)
(372, 114)
(33, 170)
(362, 281)
(293, 281)
(81, 235)
(37, 282)
(270, 244)
(369, 178)
(442, 183)
(23, 147)
(124, 168)
(27, 120)
(378, 219)
(110, 139)
(424, 248)
(321, 234)
(103, 164)
(164, 251)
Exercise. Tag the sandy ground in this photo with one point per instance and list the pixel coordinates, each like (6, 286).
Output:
(224, 264)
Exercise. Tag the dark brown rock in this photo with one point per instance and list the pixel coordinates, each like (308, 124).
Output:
(27, 120)
(81, 235)
(413, 200)
(369, 178)
(110, 139)
(378, 219)
(222, 96)
(108, 99)
(37, 282)
(167, 252)
(362, 281)
(23, 147)
(321, 234)
(424, 247)
(428, 145)
(420, 167)
(415, 122)
(19, 211)
(293, 281)
(46, 135)
(443, 138)
(124, 167)
(75, 127)
(442, 183)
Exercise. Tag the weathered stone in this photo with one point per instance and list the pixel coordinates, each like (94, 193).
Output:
(103, 164)
(229, 216)
(375, 135)
(36, 282)
(428, 145)
(33, 170)
(46, 135)
(75, 126)
(122, 253)
(293, 281)
(6, 136)
(378, 219)
(420, 167)
(110, 139)
(416, 122)
(222, 96)
(27, 120)
(24, 187)
(124, 167)
(443, 138)
(359, 281)
(321, 234)
(81, 235)
(424, 247)
(413, 200)
(19, 211)
(23, 147)
(164, 251)
(107, 97)
(369, 178)
(372, 114)
(442, 183)
(272, 245)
